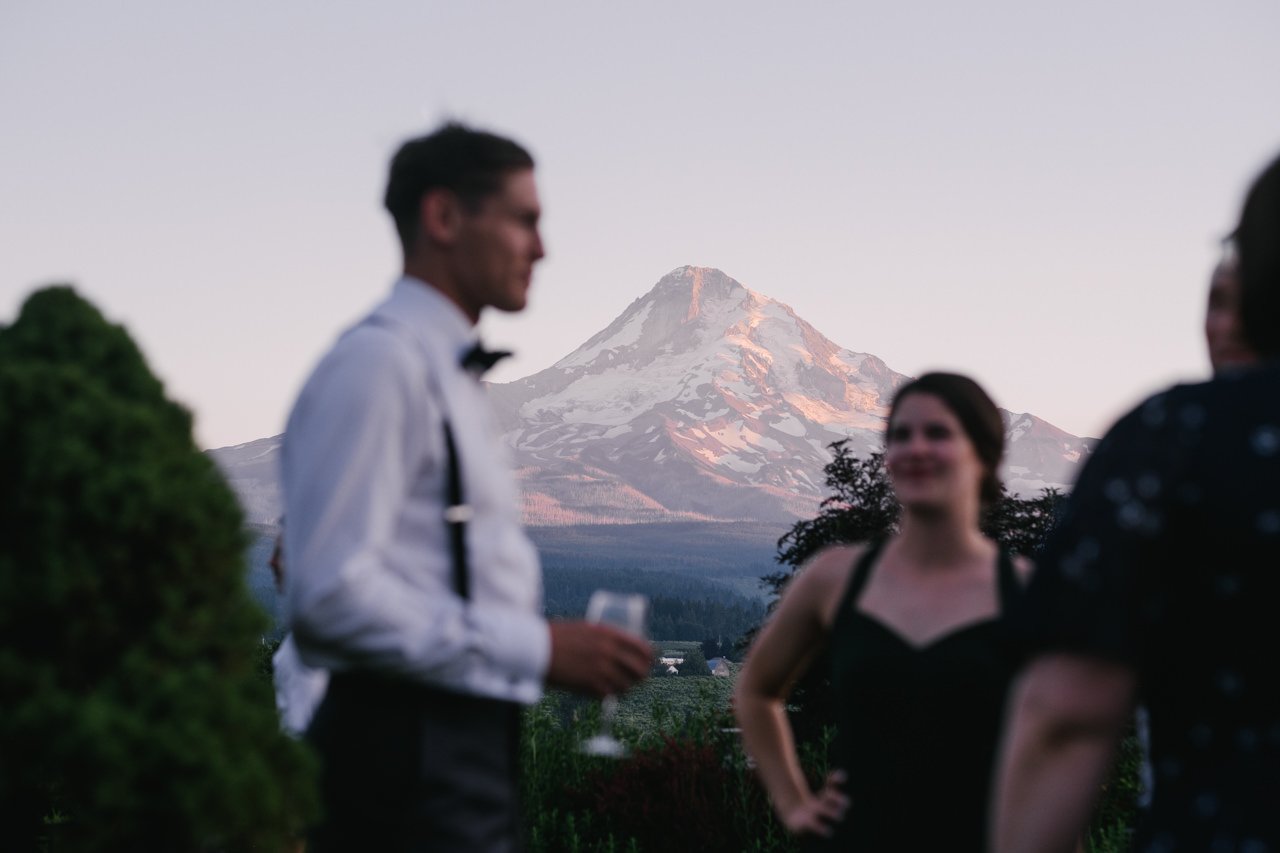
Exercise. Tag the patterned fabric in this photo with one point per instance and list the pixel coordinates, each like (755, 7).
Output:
(1167, 559)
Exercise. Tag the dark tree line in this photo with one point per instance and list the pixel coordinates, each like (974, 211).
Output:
(677, 601)
(567, 590)
(716, 625)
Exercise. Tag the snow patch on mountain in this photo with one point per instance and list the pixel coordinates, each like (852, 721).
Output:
(623, 337)
(1019, 428)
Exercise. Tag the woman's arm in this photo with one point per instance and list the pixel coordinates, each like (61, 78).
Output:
(779, 656)
(1066, 715)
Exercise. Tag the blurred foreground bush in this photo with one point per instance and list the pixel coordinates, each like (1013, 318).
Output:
(131, 716)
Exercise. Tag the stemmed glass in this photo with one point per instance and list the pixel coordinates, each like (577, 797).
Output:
(629, 612)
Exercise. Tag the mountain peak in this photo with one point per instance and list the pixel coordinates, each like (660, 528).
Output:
(696, 287)
(686, 306)
(701, 384)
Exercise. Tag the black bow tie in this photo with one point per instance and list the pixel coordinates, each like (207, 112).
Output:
(477, 360)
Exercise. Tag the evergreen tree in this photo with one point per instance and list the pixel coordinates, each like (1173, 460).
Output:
(1022, 524)
(132, 715)
(860, 508)
(695, 663)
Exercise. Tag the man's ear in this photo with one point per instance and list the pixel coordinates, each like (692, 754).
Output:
(440, 216)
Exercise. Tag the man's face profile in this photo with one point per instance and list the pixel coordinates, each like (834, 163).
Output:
(498, 244)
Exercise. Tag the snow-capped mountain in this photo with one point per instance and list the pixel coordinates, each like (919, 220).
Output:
(703, 400)
(253, 471)
(707, 400)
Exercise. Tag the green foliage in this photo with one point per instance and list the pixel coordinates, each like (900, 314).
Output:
(716, 554)
(1022, 524)
(695, 664)
(1117, 808)
(657, 705)
(689, 608)
(860, 508)
(133, 715)
(721, 647)
(264, 660)
(715, 621)
(568, 590)
(685, 785)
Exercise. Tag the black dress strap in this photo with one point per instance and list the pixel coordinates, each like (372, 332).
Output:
(858, 577)
(1007, 579)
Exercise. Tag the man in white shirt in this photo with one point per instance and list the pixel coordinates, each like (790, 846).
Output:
(412, 579)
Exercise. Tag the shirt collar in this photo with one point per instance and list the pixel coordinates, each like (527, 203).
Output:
(430, 315)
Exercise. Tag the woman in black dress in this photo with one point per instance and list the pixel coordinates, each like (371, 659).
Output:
(920, 665)
(1160, 585)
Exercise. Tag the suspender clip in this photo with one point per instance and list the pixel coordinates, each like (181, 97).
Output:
(458, 514)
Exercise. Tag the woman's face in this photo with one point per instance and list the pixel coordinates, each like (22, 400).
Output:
(1222, 328)
(929, 457)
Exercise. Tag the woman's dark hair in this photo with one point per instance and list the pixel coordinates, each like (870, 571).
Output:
(1258, 239)
(470, 163)
(978, 417)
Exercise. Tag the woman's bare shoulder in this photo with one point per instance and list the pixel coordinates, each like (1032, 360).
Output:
(825, 576)
(832, 563)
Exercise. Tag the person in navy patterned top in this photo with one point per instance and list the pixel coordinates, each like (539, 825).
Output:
(1159, 585)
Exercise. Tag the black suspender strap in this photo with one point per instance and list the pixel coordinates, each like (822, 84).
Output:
(456, 516)
(456, 511)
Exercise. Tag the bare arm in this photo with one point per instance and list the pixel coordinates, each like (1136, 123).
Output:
(1066, 715)
(780, 655)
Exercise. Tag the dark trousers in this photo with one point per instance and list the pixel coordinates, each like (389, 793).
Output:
(405, 767)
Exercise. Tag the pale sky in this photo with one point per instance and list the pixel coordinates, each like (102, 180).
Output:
(1031, 193)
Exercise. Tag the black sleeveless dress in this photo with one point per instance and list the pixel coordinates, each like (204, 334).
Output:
(918, 726)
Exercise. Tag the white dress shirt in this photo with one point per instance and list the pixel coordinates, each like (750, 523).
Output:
(370, 580)
(299, 688)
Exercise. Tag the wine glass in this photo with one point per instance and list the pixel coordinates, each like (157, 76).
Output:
(629, 612)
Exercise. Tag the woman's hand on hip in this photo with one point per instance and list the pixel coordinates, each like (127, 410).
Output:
(819, 813)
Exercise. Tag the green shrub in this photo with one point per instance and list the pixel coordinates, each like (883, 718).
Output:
(133, 715)
(695, 664)
(1117, 809)
(685, 785)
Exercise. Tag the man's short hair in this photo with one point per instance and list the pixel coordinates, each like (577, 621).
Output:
(469, 163)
